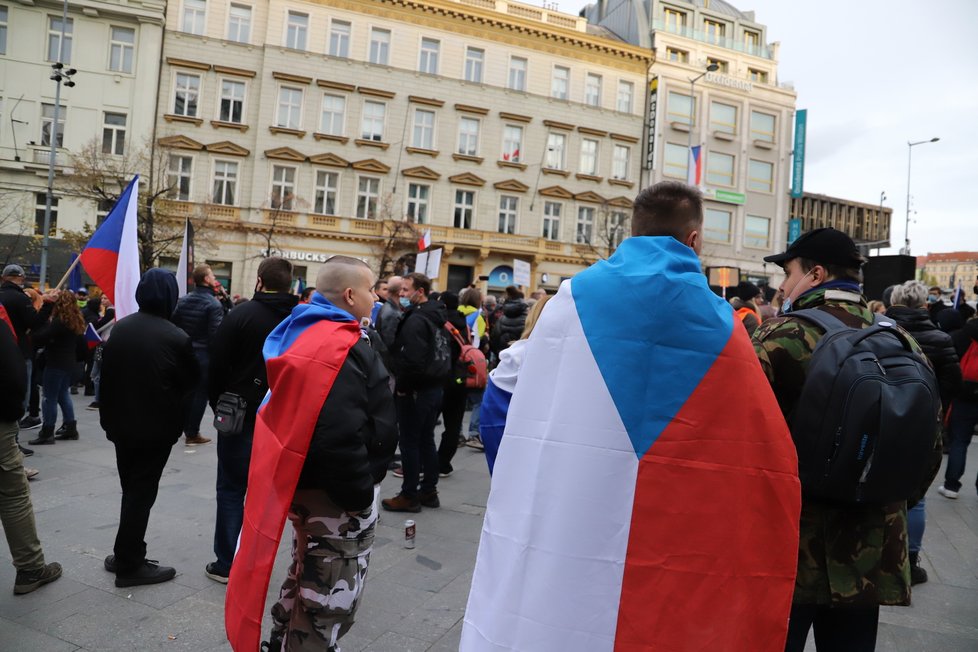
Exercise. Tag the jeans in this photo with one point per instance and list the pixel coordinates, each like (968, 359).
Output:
(916, 522)
(55, 387)
(475, 402)
(198, 402)
(233, 459)
(16, 510)
(140, 469)
(416, 416)
(837, 629)
(453, 411)
(964, 416)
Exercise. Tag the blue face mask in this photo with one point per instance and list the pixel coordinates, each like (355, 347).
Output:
(405, 302)
(931, 298)
(786, 305)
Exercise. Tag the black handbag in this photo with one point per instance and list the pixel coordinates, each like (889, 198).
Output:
(229, 414)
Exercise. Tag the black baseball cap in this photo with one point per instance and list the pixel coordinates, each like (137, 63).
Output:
(827, 246)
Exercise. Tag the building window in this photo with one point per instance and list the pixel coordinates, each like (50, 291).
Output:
(556, 146)
(517, 73)
(619, 162)
(424, 129)
(417, 206)
(755, 75)
(121, 48)
(468, 136)
(474, 61)
(592, 89)
(512, 143)
(55, 51)
(194, 12)
(47, 122)
(716, 225)
(680, 108)
(239, 23)
(679, 56)
(676, 161)
(185, 92)
(626, 90)
(551, 220)
(675, 21)
(380, 46)
(3, 30)
(40, 206)
(339, 39)
(508, 210)
(114, 134)
(722, 66)
(723, 118)
(225, 179)
(720, 169)
(289, 108)
(178, 177)
(283, 187)
(373, 121)
(616, 228)
(757, 232)
(464, 209)
(232, 101)
(368, 192)
(585, 224)
(760, 176)
(752, 42)
(334, 115)
(428, 61)
(296, 29)
(761, 126)
(559, 83)
(713, 32)
(589, 156)
(325, 192)
(102, 210)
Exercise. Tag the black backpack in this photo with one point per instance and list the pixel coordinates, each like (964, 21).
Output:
(868, 414)
(439, 363)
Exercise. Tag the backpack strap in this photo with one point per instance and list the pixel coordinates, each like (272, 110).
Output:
(454, 333)
(824, 320)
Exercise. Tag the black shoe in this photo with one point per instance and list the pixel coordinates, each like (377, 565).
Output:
(149, 573)
(44, 438)
(73, 391)
(89, 391)
(212, 571)
(271, 646)
(67, 431)
(110, 563)
(917, 574)
(429, 499)
(28, 581)
(26, 452)
(92, 406)
(29, 423)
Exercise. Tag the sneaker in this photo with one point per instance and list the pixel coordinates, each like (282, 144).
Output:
(430, 499)
(26, 452)
(31, 473)
(212, 571)
(197, 439)
(446, 473)
(149, 573)
(92, 406)
(110, 563)
(462, 440)
(917, 574)
(29, 423)
(28, 581)
(476, 443)
(399, 473)
(947, 493)
(401, 503)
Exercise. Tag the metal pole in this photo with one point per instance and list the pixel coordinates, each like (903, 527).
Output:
(906, 232)
(45, 239)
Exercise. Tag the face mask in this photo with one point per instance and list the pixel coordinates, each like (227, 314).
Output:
(405, 302)
(931, 298)
(786, 306)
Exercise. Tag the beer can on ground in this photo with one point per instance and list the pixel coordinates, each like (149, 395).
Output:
(409, 531)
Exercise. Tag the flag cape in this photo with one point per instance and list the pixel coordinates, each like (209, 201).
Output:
(645, 493)
(694, 174)
(497, 397)
(111, 257)
(303, 355)
(92, 338)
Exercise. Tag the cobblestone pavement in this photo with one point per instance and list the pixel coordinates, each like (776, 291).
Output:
(414, 599)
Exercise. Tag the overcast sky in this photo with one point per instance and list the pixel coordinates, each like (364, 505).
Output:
(875, 74)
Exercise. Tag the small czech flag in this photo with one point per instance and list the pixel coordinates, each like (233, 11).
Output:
(92, 338)
(424, 241)
(695, 172)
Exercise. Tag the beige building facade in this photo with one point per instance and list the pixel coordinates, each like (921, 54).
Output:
(945, 270)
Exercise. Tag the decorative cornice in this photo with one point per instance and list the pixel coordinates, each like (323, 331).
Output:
(510, 164)
(429, 101)
(284, 131)
(624, 138)
(466, 157)
(220, 124)
(170, 117)
(240, 72)
(590, 197)
(330, 159)
(515, 117)
(622, 202)
(466, 108)
(371, 165)
(421, 172)
(186, 63)
(337, 86)
(433, 153)
(589, 177)
(467, 179)
(511, 185)
(556, 191)
(338, 139)
(621, 182)
(285, 154)
(376, 144)
(180, 142)
(376, 92)
(228, 148)
(289, 77)
(559, 173)
(553, 124)
(592, 132)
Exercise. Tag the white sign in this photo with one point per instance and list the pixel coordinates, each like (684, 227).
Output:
(521, 272)
(429, 263)
(729, 82)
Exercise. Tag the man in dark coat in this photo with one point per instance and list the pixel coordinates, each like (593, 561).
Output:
(237, 366)
(964, 413)
(510, 326)
(148, 372)
(390, 314)
(199, 313)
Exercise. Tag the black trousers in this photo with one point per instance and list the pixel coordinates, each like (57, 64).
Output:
(452, 412)
(140, 470)
(837, 629)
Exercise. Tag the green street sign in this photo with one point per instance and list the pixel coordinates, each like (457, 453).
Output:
(725, 196)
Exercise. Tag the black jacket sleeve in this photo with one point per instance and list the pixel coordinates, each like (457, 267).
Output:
(223, 346)
(13, 380)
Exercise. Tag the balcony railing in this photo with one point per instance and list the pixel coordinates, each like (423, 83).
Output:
(703, 36)
(42, 156)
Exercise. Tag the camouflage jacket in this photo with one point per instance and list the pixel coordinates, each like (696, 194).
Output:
(851, 555)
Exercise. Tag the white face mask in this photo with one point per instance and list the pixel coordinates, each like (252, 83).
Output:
(786, 306)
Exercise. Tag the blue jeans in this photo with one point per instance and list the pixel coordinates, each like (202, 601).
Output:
(233, 459)
(416, 416)
(916, 522)
(964, 416)
(475, 402)
(55, 386)
(198, 402)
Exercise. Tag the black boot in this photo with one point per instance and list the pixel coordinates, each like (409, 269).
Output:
(69, 430)
(45, 437)
(917, 574)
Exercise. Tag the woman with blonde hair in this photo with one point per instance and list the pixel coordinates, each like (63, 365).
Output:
(60, 338)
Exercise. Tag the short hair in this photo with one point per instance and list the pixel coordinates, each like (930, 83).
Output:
(669, 208)
(338, 271)
(935, 289)
(275, 274)
(419, 282)
(470, 297)
(912, 294)
(377, 285)
(513, 292)
(307, 293)
(200, 274)
(838, 272)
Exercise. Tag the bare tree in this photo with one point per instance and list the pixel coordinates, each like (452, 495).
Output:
(15, 221)
(612, 224)
(397, 234)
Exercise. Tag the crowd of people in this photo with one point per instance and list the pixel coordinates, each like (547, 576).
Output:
(379, 363)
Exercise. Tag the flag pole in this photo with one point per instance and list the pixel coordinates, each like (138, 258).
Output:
(68, 273)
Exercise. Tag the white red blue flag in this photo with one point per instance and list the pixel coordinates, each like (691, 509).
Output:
(694, 175)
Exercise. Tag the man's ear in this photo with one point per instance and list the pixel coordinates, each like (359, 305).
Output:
(694, 241)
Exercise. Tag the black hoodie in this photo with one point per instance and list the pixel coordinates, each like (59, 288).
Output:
(936, 344)
(413, 343)
(148, 369)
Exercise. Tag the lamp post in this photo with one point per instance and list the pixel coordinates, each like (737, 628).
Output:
(906, 233)
(692, 112)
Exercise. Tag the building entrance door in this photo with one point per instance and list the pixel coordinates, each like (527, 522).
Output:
(459, 277)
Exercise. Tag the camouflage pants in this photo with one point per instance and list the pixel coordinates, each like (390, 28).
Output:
(320, 595)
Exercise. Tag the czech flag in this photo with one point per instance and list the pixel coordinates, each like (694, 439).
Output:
(425, 240)
(694, 175)
(645, 494)
(303, 356)
(111, 257)
(92, 338)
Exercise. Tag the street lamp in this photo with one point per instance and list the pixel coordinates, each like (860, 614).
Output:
(692, 112)
(906, 233)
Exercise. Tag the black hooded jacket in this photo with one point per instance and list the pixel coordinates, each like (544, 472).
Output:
(22, 314)
(936, 344)
(411, 352)
(148, 369)
(13, 380)
(963, 339)
(510, 326)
